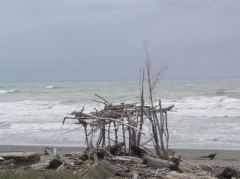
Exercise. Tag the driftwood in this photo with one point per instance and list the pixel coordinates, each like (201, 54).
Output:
(194, 165)
(124, 123)
(158, 163)
(40, 166)
(128, 159)
(130, 121)
(21, 158)
(116, 132)
(176, 175)
(7, 164)
(99, 170)
(210, 156)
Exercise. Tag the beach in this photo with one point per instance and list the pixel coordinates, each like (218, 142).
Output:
(224, 158)
(195, 122)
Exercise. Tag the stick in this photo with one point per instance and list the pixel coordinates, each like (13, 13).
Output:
(103, 99)
(141, 111)
(196, 166)
(116, 120)
(98, 101)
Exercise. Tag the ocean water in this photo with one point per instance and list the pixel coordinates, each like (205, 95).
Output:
(206, 113)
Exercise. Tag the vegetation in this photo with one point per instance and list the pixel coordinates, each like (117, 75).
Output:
(37, 174)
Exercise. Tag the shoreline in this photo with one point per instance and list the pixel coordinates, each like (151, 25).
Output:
(35, 147)
(224, 158)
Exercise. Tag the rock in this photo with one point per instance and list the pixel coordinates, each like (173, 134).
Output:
(83, 157)
(228, 173)
(54, 164)
(137, 151)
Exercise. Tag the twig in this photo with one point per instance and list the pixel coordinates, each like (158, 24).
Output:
(196, 166)
(116, 120)
(103, 99)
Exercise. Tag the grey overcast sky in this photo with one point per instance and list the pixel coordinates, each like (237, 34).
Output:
(59, 40)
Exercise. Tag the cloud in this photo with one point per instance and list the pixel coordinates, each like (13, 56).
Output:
(104, 39)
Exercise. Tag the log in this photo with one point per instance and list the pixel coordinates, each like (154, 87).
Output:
(40, 166)
(116, 120)
(128, 159)
(158, 163)
(176, 175)
(21, 157)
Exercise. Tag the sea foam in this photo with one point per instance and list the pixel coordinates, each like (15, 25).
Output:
(50, 87)
(204, 106)
(5, 91)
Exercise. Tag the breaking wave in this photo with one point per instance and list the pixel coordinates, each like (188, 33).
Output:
(198, 106)
(50, 87)
(205, 106)
(5, 91)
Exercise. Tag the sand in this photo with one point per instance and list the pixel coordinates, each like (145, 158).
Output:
(224, 158)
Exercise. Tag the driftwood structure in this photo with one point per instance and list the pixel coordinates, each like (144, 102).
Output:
(121, 127)
(123, 133)
(132, 140)
(118, 129)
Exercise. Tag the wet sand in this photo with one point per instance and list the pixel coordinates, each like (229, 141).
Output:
(223, 158)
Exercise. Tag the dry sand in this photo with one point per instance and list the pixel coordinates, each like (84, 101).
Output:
(224, 158)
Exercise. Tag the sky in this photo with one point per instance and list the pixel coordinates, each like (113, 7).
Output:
(60, 40)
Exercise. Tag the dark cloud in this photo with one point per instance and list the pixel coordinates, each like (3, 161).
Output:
(81, 40)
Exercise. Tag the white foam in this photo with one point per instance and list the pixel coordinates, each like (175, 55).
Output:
(41, 121)
(50, 87)
(5, 91)
(29, 110)
(203, 106)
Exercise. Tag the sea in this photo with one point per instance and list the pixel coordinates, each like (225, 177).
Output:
(206, 113)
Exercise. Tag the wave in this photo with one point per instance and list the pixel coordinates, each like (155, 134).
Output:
(5, 91)
(4, 125)
(50, 87)
(204, 106)
(44, 110)
(196, 106)
(39, 122)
